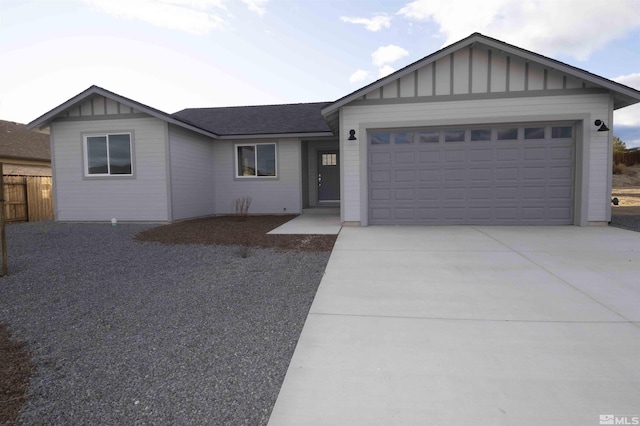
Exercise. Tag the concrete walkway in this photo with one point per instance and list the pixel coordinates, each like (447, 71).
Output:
(470, 325)
(318, 220)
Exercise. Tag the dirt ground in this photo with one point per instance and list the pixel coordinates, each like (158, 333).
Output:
(15, 370)
(626, 188)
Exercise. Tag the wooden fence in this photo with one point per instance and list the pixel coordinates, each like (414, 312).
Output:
(627, 158)
(28, 198)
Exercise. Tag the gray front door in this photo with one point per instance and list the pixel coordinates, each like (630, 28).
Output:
(328, 176)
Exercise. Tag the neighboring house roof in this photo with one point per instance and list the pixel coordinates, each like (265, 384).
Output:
(18, 143)
(260, 120)
(623, 95)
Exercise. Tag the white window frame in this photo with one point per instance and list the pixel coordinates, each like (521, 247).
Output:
(106, 135)
(255, 153)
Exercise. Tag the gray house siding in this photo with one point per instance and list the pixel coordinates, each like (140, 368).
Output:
(191, 166)
(282, 194)
(141, 197)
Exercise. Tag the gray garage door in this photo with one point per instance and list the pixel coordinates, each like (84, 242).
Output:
(494, 175)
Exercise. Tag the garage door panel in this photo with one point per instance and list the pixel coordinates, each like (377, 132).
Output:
(380, 158)
(506, 213)
(560, 173)
(429, 176)
(507, 154)
(560, 213)
(506, 193)
(480, 193)
(381, 195)
(429, 194)
(516, 181)
(405, 194)
(533, 212)
(404, 176)
(483, 175)
(380, 176)
(561, 153)
(534, 153)
(428, 213)
(454, 174)
(381, 213)
(534, 173)
(454, 194)
(457, 156)
(560, 192)
(530, 193)
(481, 155)
(426, 157)
(404, 157)
(509, 174)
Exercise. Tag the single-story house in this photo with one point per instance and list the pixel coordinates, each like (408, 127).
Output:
(479, 132)
(23, 152)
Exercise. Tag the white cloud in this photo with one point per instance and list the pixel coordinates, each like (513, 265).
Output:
(387, 54)
(184, 15)
(359, 76)
(571, 27)
(376, 23)
(385, 71)
(256, 6)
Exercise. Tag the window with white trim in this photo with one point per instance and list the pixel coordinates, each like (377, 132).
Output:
(108, 155)
(256, 160)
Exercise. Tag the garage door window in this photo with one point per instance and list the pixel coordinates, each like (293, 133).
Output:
(534, 132)
(563, 132)
(507, 134)
(380, 138)
(454, 135)
(429, 137)
(403, 138)
(481, 135)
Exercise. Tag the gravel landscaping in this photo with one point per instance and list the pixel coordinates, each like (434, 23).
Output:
(124, 331)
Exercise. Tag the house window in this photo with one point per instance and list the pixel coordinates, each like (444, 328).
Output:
(108, 155)
(256, 160)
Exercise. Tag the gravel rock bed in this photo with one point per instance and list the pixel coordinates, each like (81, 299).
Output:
(129, 332)
(630, 222)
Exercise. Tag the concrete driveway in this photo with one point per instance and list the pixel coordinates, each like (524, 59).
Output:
(470, 325)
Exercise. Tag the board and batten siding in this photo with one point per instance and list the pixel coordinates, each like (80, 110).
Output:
(476, 70)
(280, 195)
(191, 165)
(592, 147)
(97, 106)
(142, 197)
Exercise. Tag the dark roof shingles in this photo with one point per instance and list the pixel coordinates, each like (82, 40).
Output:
(258, 120)
(19, 143)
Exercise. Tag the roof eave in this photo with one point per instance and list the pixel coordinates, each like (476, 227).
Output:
(632, 95)
(299, 135)
(44, 120)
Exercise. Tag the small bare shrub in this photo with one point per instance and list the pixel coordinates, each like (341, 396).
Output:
(242, 207)
(619, 168)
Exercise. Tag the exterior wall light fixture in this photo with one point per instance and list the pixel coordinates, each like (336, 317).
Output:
(352, 135)
(603, 127)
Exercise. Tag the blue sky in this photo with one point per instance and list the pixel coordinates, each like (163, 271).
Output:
(174, 54)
